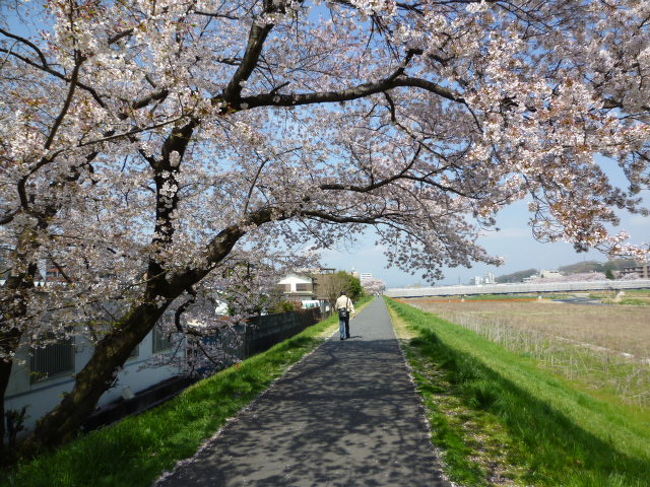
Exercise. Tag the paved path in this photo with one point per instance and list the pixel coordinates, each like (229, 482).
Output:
(347, 415)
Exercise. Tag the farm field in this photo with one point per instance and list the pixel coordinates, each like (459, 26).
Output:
(606, 348)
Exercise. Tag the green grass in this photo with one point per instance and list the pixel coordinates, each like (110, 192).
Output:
(632, 297)
(137, 450)
(496, 413)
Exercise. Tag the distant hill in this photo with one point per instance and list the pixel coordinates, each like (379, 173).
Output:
(516, 276)
(584, 267)
(594, 266)
(581, 267)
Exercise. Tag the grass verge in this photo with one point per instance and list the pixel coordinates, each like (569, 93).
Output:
(135, 451)
(501, 420)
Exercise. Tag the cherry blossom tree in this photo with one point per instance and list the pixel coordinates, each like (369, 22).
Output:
(149, 145)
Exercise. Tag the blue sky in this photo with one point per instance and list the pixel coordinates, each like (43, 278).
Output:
(514, 242)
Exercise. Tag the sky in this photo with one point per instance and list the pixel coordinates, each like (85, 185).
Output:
(514, 243)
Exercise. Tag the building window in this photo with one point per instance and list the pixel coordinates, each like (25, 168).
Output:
(53, 360)
(161, 341)
(303, 287)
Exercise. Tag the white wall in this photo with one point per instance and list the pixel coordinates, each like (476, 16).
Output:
(41, 397)
(293, 279)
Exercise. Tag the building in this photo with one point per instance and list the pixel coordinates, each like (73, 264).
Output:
(39, 377)
(365, 276)
(549, 274)
(640, 271)
(297, 287)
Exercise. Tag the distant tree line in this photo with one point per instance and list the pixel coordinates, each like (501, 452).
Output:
(594, 266)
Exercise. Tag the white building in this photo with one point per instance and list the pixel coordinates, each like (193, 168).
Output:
(297, 287)
(549, 274)
(365, 276)
(38, 381)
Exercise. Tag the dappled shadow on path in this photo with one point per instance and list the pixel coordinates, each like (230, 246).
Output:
(346, 416)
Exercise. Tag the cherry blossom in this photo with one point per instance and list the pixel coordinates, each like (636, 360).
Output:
(150, 147)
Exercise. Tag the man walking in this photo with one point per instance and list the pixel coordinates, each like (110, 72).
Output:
(344, 307)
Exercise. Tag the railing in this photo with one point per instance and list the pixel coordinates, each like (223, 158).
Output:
(612, 285)
(52, 360)
(263, 332)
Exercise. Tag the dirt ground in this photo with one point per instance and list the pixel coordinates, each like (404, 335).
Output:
(621, 328)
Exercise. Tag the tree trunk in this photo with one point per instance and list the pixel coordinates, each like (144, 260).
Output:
(8, 344)
(62, 423)
(5, 370)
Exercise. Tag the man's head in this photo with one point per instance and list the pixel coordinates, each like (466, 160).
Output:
(342, 293)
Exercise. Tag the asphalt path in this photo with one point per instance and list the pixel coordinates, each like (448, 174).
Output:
(346, 415)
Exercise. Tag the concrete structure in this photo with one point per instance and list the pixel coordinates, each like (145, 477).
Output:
(487, 278)
(544, 274)
(519, 288)
(642, 271)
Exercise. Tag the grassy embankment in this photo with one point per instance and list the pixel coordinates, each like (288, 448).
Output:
(138, 449)
(502, 420)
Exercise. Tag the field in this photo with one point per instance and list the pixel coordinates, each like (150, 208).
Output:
(606, 348)
(633, 297)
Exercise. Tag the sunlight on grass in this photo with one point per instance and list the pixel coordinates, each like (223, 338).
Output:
(137, 450)
(502, 420)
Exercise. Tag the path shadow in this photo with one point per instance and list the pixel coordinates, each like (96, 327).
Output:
(346, 416)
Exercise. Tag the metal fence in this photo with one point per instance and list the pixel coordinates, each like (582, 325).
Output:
(263, 332)
(52, 360)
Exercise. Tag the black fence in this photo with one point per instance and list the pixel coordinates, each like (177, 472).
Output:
(260, 334)
(263, 332)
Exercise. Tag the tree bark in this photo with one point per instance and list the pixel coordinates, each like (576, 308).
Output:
(9, 343)
(14, 305)
(61, 424)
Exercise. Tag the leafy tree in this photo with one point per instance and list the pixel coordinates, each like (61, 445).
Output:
(353, 286)
(330, 286)
(147, 144)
